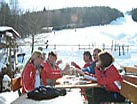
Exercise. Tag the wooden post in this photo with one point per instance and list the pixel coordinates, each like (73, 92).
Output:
(89, 46)
(127, 48)
(115, 48)
(79, 46)
(103, 46)
(123, 50)
(92, 45)
(119, 51)
(10, 60)
(54, 46)
(112, 46)
(32, 47)
(16, 58)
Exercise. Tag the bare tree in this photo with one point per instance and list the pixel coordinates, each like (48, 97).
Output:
(34, 27)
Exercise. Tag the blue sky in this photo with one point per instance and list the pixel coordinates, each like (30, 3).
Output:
(122, 5)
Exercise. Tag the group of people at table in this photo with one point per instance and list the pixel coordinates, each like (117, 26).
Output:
(38, 71)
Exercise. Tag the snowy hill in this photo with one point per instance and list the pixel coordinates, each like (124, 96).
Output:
(66, 42)
(122, 31)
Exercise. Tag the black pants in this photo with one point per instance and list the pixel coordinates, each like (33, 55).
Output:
(99, 95)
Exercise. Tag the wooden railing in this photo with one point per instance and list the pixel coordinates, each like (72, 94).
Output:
(129, 85)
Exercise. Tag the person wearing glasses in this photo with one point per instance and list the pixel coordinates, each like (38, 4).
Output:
(32, 75)
(91, 68)
(109, 78)
(88, 72)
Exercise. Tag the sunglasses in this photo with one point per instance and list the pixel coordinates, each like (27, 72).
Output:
(41, 57)
(95, 54)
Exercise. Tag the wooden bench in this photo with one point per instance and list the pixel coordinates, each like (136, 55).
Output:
(128, 90)
(129, 85)
(132, 70)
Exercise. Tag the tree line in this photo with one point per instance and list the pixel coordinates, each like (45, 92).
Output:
(134, 14)
(31, 23)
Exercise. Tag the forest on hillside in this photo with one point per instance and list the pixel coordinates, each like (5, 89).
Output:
(30, 23)
(134, 14)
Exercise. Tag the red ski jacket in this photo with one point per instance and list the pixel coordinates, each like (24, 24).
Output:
(107, 78)
(51, 73)
(85, 66)
(28, 78)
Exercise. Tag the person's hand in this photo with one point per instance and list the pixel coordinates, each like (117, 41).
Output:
(59, 62)
(67, 66)
(80, 71)
(87, 73)
(66, 69)
(97, 64)
(73, 63)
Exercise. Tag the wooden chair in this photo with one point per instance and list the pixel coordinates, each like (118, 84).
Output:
(16, 84)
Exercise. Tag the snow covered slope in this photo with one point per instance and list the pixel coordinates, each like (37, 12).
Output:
(122, 31)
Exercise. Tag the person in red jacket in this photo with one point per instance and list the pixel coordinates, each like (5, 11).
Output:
(109, 78)
(87, 59)
(51, 69)
(33, 75)
(88, 69)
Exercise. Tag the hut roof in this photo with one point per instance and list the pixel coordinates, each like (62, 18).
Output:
(11, 30)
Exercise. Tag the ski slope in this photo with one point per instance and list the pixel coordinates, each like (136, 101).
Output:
(122, 31)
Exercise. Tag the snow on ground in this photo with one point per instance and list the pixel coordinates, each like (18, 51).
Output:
(122, 31)
(72, 97)
(8, 97)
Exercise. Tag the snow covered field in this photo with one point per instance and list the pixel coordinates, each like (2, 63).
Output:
(8, 97)
(122, 31)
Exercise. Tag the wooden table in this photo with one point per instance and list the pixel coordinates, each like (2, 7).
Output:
(67, 99)
(91, 85)
(74, 82)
